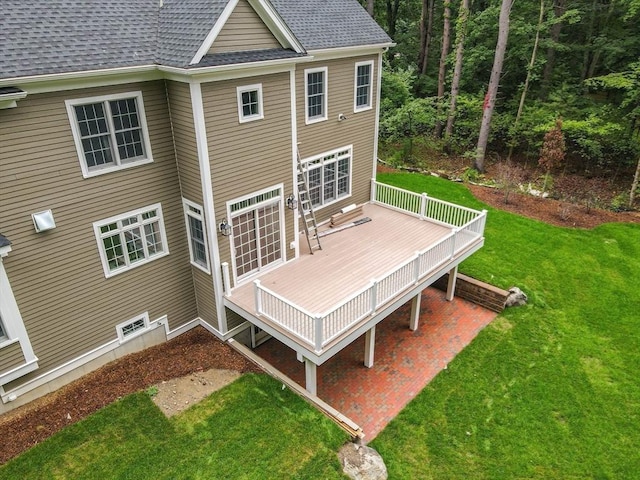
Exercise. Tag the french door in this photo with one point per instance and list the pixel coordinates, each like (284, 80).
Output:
(257, 233)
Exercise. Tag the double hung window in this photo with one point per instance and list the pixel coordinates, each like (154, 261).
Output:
(131, 239)
(315, 84)
(194, 219)
(329, 176)
(363, 83)
(110, 132)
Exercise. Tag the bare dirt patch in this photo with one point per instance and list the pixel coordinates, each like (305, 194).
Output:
(174, 396)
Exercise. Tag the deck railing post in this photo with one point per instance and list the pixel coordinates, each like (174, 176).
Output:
(258, 297)
(374, 191)
(416, 267)
(423, 206)
(225, 279)
(374, 296)
(318, 325)
(455, 241)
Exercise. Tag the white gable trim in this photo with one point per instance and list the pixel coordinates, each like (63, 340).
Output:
(214, 32)
(267, 14)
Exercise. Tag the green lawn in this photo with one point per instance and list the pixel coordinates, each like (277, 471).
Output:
(251, 429)
(549, 390)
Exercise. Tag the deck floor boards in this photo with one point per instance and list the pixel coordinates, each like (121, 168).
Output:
(348, 261)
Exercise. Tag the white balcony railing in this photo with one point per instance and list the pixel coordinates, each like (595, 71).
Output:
(318, 330)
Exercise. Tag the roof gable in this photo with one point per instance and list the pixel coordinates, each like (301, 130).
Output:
(244, 30)
(266, 13)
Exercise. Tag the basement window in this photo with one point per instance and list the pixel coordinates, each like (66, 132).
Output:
(133, 328)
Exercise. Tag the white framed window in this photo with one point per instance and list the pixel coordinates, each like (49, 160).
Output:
(250, 103)
(194, 219)
(363, 83)
(110, 132)
(131, 239)
(329, 176)
(316, 93)
(133, 328)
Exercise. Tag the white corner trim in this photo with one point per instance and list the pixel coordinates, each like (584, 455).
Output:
(204, 163)
(294, 159)
(377, 122)
(214, 32)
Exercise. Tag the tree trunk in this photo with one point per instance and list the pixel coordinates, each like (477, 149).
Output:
(463, 17)
(426, 30)
(446, 33)
(532, 62)
(370, 7)
(494, 83)
(586, 60)
(392, 16)
(554, 36)
(634, 185)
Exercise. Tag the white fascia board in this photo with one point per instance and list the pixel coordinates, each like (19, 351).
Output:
(214, 32)
(85, 79)
(342, 52)
(236, 70)
(277, 25)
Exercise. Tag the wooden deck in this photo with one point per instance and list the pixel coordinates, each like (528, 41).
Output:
(348, 262)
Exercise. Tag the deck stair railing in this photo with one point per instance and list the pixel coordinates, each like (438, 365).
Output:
(318, 329)
(306, 207)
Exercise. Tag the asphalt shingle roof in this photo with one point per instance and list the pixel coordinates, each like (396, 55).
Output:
(40, 37)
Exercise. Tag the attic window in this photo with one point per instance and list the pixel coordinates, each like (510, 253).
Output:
(110, 132)
(250, 103)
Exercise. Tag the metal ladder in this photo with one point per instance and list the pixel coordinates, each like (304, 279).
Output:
(309, 218)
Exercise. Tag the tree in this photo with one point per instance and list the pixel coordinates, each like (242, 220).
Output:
(553, 151)
(370, 7)
(446, 33)
(461, 30)
(532, 62)
(392, 16)
(426, 31)
(494, 83)
(554, 36)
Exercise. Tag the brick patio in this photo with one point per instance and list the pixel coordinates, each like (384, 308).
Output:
(405, 361)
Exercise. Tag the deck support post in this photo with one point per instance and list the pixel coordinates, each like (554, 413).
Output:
(451, 285)
(310, 371)
(415, 312)
(369, 346)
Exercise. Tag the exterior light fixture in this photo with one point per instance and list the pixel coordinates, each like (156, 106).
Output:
(43, 221)
(224, 227)
(292, 202)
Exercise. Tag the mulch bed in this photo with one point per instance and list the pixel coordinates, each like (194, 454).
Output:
(198, 350)
(193, 351)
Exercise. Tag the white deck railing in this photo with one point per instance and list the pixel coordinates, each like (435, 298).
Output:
(318, 330)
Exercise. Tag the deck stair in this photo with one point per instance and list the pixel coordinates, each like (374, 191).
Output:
(308, 216)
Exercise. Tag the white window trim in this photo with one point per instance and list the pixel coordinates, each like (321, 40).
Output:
(250, 88)
(86, 173)
(325, 104)
(14, 328)
(99, 236)
(122, 338)
(361, 108)
(188, 213)
(305, 161)
(239, 280)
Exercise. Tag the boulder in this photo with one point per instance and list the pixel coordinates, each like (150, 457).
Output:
(516, 297)
(360, 462)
